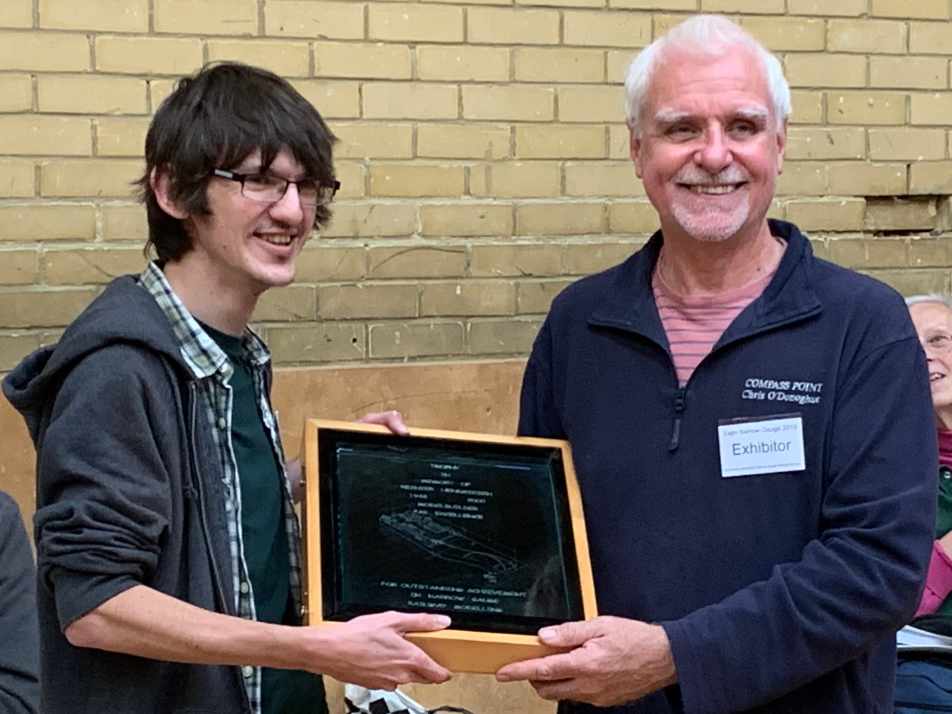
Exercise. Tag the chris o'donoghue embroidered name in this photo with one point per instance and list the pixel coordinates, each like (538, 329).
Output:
(781, 390)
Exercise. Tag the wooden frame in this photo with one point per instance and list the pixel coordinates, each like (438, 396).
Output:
(460, 650)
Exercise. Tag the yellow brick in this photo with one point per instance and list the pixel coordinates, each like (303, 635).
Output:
(512, 26)
(861, 254)
(787, 33)
(481, 64)
(44, 221)
(44, 52)
(159, 90)
(930, 252)
(295, 302)
(120, 136)
(524, 179)
(404, 22)
(99, 15)
(473, 141)
(914, 282)
(554, 3)
(654, 4)
(930, 177)
(467, 219)
(836, 214)
(416, 180)
(366, 301)
(632, 217)
(148, 55)
(535, 296)
(591, 104)
(606, 29)
(820, 144)
(305, 18)
(112, 178)
(370, 220)
(471, 297)
(764, 7)
(90, 266)
(515, 260)
(501, 337)
(333, 99)
(319, 262)
(930, 38)
(287, 59)
(803, 178)
(412, 100)
(417, 261)
(931, 108)
(923, 9)
(558, 65)
(900, 214)
(559, 141)
(209, 17)
(501, 102)
(14, 347)
(807, 107)
(845, 8)
(908, 72)
(619, 142)
(43, 308)
(560, 218)
(373, 140)
(364, 60)
(416, 339)
(879, 36)
(316, 342)
(906, 144)
(825, 70)
(45, 135)
(16, 93)
(16, 178)
(866, 108)
(91, 95)
(602, 179)
(617, 62)
(16, 13)
(588, 258)
(864, 179)
(351, 175)
(124, 222)
(18, 267)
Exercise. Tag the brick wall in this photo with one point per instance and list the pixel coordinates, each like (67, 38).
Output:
(483, 153)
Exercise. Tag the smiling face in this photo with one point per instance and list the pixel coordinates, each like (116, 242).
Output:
(709, 149)
(933, 321)
(247, 246)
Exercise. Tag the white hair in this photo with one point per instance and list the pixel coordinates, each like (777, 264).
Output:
(705, 35)
(930, 297)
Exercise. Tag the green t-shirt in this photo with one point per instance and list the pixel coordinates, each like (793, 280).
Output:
(264, 536)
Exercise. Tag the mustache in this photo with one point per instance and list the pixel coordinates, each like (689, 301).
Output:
(691, 174)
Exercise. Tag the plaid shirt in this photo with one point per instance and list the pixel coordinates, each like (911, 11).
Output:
(212, 372)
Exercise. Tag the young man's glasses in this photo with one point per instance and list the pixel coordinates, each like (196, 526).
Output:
(271, 189)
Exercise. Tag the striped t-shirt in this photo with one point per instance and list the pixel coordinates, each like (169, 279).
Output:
(694, 324)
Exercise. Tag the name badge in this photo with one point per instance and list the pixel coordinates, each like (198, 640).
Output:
(761, 446)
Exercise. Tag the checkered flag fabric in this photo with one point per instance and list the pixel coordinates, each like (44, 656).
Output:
(370, 701)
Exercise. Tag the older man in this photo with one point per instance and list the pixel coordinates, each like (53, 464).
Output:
(751, 426)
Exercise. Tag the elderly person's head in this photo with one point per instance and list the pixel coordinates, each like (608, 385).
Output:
(707, 107)
(932, 316)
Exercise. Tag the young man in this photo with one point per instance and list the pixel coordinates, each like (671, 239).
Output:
(750, 425)
(167, 542)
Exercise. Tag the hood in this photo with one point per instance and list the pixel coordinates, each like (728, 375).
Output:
(124, 313)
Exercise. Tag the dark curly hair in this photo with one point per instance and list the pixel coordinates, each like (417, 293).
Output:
(216, 119)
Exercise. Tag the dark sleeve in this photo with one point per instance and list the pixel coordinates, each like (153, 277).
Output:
(103, 484)
(19, 645)
(857, 582)
(538, 410)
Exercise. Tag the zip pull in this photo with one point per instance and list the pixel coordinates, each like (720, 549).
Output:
(676, 427)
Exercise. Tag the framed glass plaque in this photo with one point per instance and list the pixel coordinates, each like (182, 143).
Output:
(484, 528)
